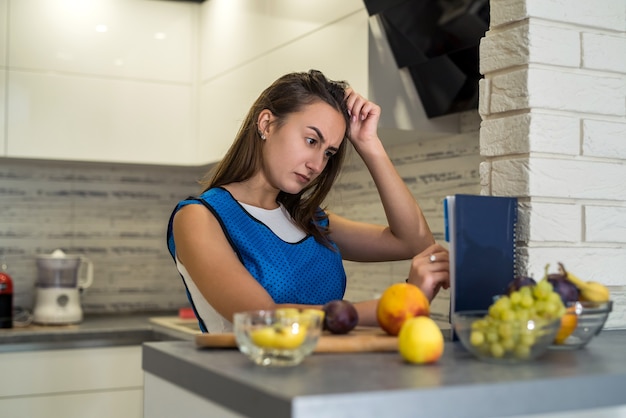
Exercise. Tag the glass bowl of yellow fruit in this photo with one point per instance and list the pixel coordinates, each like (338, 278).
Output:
(582, 321)
(499, 340)
(281, 337)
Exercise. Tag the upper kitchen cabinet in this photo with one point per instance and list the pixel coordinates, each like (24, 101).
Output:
(264, 40)
(234, 32)
(3, 142)
(102, 80)
(3, 54)
(159, 82)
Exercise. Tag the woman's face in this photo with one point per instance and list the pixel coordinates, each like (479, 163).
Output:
(295, 153)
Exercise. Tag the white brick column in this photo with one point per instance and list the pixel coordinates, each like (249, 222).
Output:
(553, 131)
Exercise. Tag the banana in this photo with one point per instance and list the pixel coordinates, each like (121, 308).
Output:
(589, 291)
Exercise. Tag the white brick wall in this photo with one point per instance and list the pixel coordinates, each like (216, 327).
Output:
(604, 139)
(556, 89)
(604, 52)
(606, 14)
(528, 43)
(553, 104)
(605, 224)
(519, 134)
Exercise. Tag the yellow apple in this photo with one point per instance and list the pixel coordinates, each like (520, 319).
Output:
(420, 340)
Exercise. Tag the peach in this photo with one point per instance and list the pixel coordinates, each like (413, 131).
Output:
(569, 322)
(398, 303)
(420, 341)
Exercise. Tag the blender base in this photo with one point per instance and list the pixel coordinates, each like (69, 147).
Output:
(57, 306)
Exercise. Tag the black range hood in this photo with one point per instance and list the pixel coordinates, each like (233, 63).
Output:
(437, 42)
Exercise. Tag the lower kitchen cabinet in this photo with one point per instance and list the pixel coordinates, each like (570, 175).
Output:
(72, 383)
(166, 400)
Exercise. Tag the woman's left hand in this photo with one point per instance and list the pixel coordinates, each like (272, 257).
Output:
(364, 117)
(430, 270)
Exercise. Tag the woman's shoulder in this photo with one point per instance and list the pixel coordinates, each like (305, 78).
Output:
(211, 199)
(217, 193)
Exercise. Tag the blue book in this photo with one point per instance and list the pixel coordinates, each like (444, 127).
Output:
(481, 232)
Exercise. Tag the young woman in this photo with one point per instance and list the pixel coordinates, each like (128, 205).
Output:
(257, 237)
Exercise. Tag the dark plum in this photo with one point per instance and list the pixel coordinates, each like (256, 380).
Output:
(565, 288)
(340, 316)
(519, 282)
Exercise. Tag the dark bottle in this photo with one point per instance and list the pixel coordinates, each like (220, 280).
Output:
(6, 301)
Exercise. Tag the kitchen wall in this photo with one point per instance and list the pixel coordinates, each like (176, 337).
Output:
(432, 169)
(81, 106)
(116, 214)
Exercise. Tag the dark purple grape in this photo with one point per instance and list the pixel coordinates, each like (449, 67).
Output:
(519, 282)
(340, 316)
(565, 288)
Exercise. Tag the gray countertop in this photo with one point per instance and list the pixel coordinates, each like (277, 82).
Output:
(380, 384)
(93, 331)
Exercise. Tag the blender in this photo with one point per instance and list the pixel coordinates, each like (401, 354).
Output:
(58, 287)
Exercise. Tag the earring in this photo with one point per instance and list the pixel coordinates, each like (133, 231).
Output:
(262, 136)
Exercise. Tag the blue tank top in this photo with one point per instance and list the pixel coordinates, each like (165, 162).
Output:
(304, 272)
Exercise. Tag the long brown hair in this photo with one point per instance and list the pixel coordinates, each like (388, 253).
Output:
(288, 94)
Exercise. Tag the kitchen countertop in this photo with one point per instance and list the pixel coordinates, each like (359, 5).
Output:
(93, 331)
(377, 384)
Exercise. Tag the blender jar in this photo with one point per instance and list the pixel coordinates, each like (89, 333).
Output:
(61, 270)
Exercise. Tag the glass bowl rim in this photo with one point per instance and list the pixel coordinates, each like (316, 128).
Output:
(591, 308)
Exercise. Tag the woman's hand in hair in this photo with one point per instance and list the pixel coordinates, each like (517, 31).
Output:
(364, 117)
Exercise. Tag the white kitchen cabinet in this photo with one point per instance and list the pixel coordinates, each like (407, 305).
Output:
(104, 80)
(60, 116)
(3, 48)
(340, 50)
(163, 83)
(3, 138)
(237, 31)
(164, 399)
(72, 383)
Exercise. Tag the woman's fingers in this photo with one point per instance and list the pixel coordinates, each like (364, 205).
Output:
(430, 270)
(359, 107)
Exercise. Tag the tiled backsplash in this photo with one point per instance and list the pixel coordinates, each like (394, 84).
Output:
(116, 215)
(432, 169)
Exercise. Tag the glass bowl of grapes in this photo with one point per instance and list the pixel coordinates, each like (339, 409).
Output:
(280, 337)
(504, 341)
(582, 321)
(517, 327)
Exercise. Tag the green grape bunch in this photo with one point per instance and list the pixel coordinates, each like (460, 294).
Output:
(516, 321)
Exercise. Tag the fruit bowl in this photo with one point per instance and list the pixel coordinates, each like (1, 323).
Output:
(590, 318)
(500, 341)
(281, 337)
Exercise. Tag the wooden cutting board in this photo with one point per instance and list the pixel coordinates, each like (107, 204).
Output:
(361, 339)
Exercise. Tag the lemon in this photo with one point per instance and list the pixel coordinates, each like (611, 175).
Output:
(293, 313)
(289, 338)
(420, 340)
(279, 337)
(264, 337)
